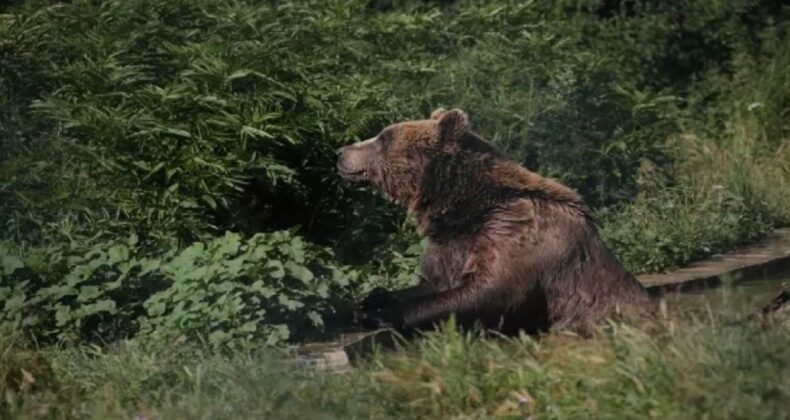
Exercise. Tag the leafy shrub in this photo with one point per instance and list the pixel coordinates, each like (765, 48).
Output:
(673, 227)
(271, 286)
(394, 265)
(88, 290)
(188, 118)
(554, 94)
(178, 117)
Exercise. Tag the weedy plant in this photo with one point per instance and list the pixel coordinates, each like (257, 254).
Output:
(268, 287)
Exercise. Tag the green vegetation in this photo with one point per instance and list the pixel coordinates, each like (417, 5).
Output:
(730, 182)
(176, 122)
(694, 366)
(265, 286)
(167, 173)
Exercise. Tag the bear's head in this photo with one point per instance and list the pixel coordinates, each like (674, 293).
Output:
(396, 159)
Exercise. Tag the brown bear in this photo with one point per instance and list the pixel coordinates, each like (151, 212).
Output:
(507, 248)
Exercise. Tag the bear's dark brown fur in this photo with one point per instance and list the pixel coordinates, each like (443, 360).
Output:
(507, 247)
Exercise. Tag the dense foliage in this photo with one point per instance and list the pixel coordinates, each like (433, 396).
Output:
(268, 286)
(135, 135)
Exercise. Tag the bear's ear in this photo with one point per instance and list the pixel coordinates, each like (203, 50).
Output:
(435, 115)
(453, 124)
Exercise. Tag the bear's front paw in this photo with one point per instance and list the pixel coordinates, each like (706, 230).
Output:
(374, 321)
(377, 300)
(380, 317)
(380, 309)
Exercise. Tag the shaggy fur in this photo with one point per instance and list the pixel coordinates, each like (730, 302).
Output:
(507, 247)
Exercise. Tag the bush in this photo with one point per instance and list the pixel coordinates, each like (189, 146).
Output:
(188, 118)
(675, 226)
(178, 118)
(272, 287)
(80, 291)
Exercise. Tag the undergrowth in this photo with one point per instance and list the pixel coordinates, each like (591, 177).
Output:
(695, 364)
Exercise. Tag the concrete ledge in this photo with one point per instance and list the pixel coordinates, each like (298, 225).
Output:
(337, 355)
(769, 256)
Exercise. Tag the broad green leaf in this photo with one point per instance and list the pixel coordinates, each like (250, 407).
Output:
(156, 309)
(235, 266)
(148, 266)
(315, 317)
(107, 305)
(299, 271)
(62, 315)
(16, 302)
(218, 337)
(229, 244)
(259, 287)
(117, 253)
(277, 270)
(10, 264)
(88, 293)
(278, 334)
(289, 303)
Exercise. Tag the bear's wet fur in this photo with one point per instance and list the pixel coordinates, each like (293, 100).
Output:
(507, 248)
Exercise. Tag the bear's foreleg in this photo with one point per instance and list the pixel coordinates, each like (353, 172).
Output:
(422, 311)
(380, 308)
(471, 292)
(379, 297)
(468, 299)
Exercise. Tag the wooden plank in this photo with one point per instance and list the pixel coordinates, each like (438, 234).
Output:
(769, 255)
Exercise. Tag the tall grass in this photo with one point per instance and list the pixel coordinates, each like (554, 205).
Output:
(751, 155)
(691, 365)
(730, 183)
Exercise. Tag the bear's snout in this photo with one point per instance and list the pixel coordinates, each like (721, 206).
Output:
(354, 160)
(340, 150)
